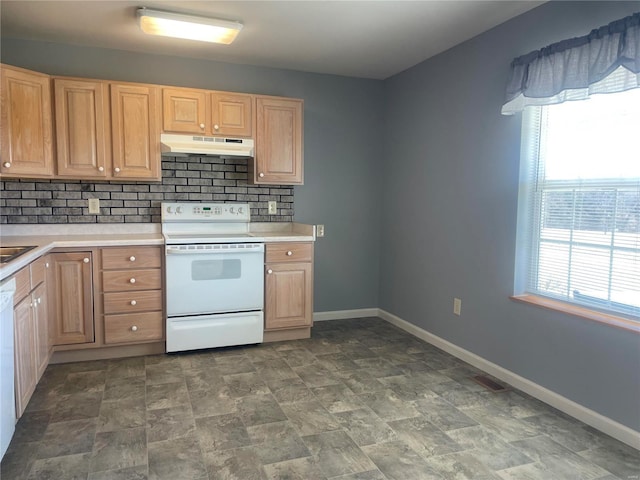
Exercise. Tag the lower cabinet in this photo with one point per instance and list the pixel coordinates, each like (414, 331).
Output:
(288, 289)
(132, 295)
(72, 298)
(31, 333)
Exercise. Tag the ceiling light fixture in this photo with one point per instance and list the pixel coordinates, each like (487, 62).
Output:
(169, 24)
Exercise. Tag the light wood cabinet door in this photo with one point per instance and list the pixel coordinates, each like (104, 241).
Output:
(288, 291)
(231, 114)
(82, 128)
(73, 298)
(135, 130)
(26, 119)
(25, 354)
(41, 322)
(279, 148)
(184, 110)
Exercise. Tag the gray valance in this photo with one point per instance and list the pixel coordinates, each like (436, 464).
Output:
(605, 61)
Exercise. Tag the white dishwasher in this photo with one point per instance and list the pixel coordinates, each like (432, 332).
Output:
(7, 396)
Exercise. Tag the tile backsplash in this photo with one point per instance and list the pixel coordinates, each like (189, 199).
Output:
(196, 179)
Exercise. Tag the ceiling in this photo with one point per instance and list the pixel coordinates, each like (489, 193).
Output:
(369, 39)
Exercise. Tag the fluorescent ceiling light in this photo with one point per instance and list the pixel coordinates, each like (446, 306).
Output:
(168, 24)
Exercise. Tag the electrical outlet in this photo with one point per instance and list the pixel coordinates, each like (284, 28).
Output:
(457, 306)
(273, 208)
(94, 205)
(319, 230)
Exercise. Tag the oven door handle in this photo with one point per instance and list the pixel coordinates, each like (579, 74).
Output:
(207, 251)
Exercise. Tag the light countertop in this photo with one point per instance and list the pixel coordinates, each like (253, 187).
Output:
(49, 237)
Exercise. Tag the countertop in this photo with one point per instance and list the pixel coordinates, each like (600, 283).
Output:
(49, 237)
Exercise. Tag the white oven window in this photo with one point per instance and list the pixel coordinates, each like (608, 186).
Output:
(221, 269)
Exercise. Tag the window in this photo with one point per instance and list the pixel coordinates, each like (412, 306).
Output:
(579, 204)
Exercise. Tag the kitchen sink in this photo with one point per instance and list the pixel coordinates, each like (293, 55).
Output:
(10, 253)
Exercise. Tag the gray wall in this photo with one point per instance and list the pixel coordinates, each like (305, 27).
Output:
(342, 150)
(449, 217)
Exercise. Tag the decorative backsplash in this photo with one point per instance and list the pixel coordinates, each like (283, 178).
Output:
(197, 179)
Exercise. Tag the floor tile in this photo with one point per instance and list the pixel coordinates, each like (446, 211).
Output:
(316, 375)
(217, 400)
(119, 449)
(77, 435)
(18, 460)
(499, 422)
(461, 466)
(424, 437)
(241, 463)
(126, 368)
(221, 432)
(388, 406)
(228, 365)
(176, 458)
(617, 458)
(360, 381)
(169, 423)
(78, 407)
(298, 469)
(309, 418)
(337, 398)
(365, 427)
(31, 426)
(408, 388)
(442, 414)
(291, 390)
(277, 442)
(337, 454)
(117, 388)
(139, 472)
(167, 395)
(259, 409)
(370, 475)
(70, 467)
(243, 384)
(121, 414)
(298, 357)
(397, 461)
(84, 382)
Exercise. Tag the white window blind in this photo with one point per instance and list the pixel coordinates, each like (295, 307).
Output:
(579, 212)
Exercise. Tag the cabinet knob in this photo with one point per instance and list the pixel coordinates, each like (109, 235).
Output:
(132, 258)
(6, 164)
(117, 169)
(133, 302)
(216, 127)
(269, 271)
(85, 260)
(101, 169)
(134, 328)
(132, 280)
(46, 265)
(289, 253)
(261, 175)
(202, 126)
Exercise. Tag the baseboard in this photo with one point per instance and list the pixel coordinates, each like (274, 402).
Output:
(584, 414)
(344, 314)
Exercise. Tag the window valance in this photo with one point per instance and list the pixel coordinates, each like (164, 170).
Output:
(605, 61)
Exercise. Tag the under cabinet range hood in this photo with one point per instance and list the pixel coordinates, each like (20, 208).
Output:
(199, 145)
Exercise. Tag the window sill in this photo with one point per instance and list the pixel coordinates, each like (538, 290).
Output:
(582, 312)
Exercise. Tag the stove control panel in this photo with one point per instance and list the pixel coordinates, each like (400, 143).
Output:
(210, 212)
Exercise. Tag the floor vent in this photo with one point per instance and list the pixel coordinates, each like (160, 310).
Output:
(489, 384)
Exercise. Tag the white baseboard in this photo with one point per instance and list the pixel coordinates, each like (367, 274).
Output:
(582, 413)
(344, 314)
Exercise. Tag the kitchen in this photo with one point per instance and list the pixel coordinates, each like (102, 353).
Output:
(342, 122)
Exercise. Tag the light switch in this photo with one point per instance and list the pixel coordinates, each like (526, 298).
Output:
(94, 205)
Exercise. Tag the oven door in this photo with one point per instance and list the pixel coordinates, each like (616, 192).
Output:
(214, 278)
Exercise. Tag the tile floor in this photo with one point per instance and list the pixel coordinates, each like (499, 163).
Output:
(360, 400)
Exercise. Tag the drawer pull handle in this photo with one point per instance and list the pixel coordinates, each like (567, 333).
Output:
(134, 328)
(85, 260)
(216, 127)
(133, 302)
(132, 280)
(117, 169)
(261, 175)
(6, 164)
(101, 169)
(269, 271)
(132, 258)
(289, 253)
(202, 126)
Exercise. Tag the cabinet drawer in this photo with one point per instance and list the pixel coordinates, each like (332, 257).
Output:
(129, 280)
(133, 328)
(125, 302)
(23, 285)
(38, 271)
(289, 252)
(131, 257)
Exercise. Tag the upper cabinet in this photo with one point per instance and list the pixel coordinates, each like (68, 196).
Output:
(231, 114)
(83, 130)
(135, 130)
(203, 112)
(26, 123)
(279, 150)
